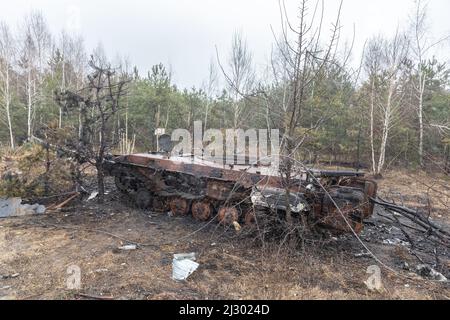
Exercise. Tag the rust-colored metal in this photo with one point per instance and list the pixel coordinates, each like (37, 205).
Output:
(341, 221)
(202, 210)
(228, 215)
(370, 191)
(250, 217)
(160, 204)
(183, 180)
(219, 190)
(179, 206)
(200, 168)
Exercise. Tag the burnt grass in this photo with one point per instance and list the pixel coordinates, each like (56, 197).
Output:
(37, 250)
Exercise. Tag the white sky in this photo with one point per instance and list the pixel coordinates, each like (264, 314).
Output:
(184, 33)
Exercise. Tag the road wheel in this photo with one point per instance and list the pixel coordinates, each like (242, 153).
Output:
(122, 184)
(202, 210)
(179, 206)
(143, 199)
(228, 215)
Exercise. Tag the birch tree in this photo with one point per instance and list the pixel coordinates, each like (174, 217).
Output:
(35, 44)
(78, 60)
(37, 29)
(210, 89)
(7, 54)
(421, 47)
(65, 45)
(27, 63)
(387, 65)
(372, 66)
(241, 76)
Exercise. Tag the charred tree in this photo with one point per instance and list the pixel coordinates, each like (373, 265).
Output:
(97, 104)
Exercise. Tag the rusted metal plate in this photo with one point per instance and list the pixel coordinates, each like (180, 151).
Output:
(200, 168)
(250, 218)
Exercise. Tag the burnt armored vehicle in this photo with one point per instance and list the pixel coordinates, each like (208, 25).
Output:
(232, 193)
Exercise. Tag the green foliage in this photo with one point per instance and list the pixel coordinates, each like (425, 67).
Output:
(334, 118)
(25, 174)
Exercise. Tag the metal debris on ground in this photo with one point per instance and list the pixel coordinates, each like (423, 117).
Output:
(183, 265)
(427, 271)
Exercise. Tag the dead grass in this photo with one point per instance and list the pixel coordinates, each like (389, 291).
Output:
(427, 191)
(229, 268)
(40, 249)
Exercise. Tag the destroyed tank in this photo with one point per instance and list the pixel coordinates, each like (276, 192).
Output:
(337, 201)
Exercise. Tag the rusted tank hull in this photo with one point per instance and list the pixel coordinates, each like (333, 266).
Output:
(207, 190)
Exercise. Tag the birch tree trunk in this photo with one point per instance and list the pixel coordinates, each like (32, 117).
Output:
(372, 107)
(63, 88)
(422, 81)
(386, 127)
(6, 57)
(8, 107)
(29, 104)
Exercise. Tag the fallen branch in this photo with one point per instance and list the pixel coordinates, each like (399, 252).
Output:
(65, 202)
(90, 296)
(417, 218)
(55, 196)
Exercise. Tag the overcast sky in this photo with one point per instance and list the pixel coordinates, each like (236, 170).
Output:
(184, 33)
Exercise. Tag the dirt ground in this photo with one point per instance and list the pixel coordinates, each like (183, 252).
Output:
(424, 190)
(36, 251)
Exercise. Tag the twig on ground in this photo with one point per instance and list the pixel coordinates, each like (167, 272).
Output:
(96, 297)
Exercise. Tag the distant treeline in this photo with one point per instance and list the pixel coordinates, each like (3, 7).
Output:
(394, 109)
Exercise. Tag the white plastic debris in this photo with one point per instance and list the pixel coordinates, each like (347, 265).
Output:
(183, 265)
(428, 272)
(13, 207)
(396, 242)
(9, 276)
(40, 209)
(128, 247)
(93, 195)
(405, 265)
(362, 254)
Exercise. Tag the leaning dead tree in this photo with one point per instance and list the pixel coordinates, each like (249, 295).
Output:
(97, 104)
(304, 54)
